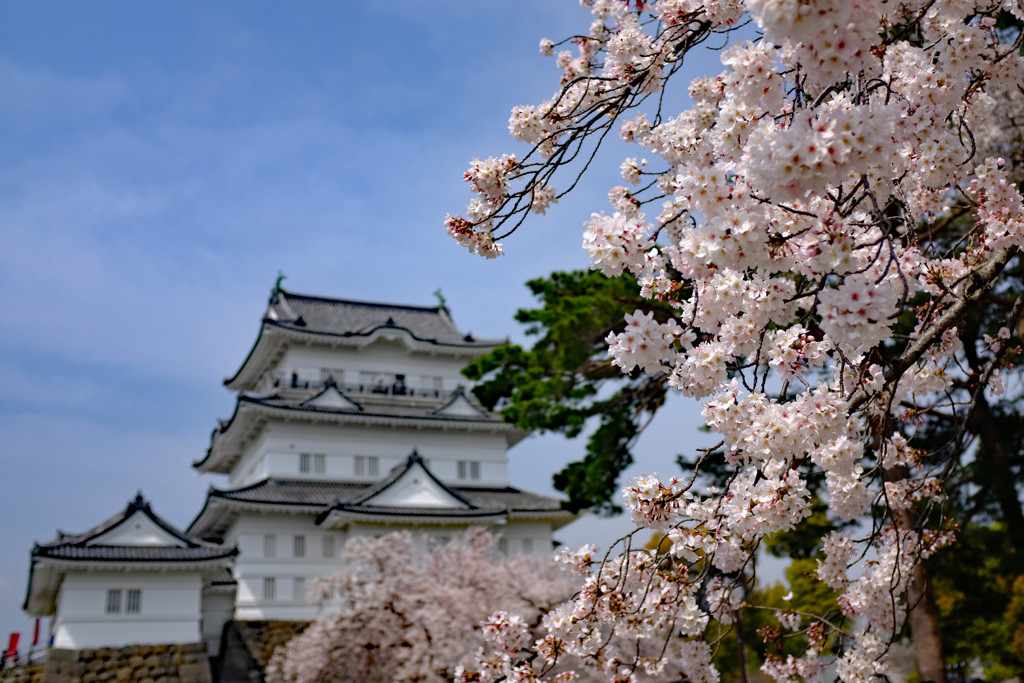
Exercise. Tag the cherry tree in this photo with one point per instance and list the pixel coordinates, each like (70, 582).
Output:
(844, 177)
(410, 615)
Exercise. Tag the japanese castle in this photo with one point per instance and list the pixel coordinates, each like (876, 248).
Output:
(351, 419)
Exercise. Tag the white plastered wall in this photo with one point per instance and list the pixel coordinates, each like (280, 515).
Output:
(253, 566)
(169, 614)
(276, 452)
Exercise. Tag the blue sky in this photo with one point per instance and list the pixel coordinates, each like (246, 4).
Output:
(160, 162)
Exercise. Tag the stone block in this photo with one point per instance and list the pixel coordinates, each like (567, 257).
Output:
(124, 674)
(148, 680)
(55, 654)
(136, 661)
(157, 672)
(195, 673)
(102, 653)
(78, 669)
(76, 679)
(90, 677)
(152, 661)
(105, 676)
(46, 677)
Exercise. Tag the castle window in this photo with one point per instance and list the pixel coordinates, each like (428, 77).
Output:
(319, 463)
(299, 546)
(303, 463)
(336, 374)
(367, 466)
(269, 588)
(114, 601)
(270, 545)
(503, 546)
(133, 603)
(299, 588)
(469, 470)
(328, 547)
(527, 545)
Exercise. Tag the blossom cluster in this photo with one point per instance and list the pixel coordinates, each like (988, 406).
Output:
(797, 194)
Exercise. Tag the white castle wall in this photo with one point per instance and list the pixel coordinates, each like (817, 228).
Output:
(169, 614)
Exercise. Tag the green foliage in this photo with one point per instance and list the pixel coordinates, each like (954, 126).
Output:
(566, 378)
(980, 598)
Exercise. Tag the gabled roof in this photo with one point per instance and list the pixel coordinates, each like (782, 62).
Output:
(136, 536)
(253, 412)
(320, 498)
(459, 405)
(309, 318)
(411, 491)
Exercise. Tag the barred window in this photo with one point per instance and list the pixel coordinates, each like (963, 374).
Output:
(133, 602)
(269, 588)
(114, 601)
(303, 463)
(360, 465)
(299, 590)
(474, 471)
(270, 545)
(503, 546)
(373, 466)
(328, 548)
(319, 463)
(462, 469)
(527, 545)
(299, 547)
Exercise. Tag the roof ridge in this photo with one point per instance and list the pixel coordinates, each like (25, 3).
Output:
(368, 304)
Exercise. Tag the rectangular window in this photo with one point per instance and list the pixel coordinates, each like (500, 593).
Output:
(360, 466)
(527, 545)
(114, 601)
(336, 374)
(319, 463)
(474, 470)
(299, 547)
(133, 601)
(304, 463)
(503, 546)
(269, 588)
(328, 547)
(270, 545)
(299, 588)
(373, 466)
(462, 469)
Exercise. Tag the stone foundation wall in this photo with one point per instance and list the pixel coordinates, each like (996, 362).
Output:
(134, 664)
(263, 637)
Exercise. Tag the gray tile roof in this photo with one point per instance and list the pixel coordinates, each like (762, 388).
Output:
(134, 553)
(79, 547)
(368, 407)
(340, 317)
(286, 492)
(324, 494)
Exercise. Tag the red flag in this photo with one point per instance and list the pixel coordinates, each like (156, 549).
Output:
(35, 634)
(12, 647)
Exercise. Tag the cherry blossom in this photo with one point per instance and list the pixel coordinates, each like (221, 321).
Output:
(797, 199)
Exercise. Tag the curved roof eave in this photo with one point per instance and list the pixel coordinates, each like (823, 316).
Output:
(257, 361)
(210, 463)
